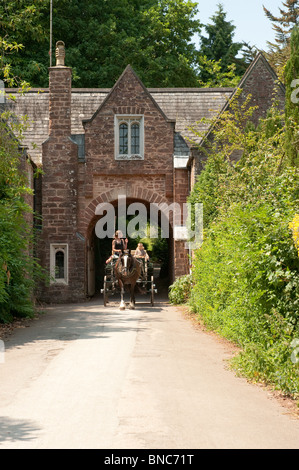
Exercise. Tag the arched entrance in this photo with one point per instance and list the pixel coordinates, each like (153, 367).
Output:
(156, 234)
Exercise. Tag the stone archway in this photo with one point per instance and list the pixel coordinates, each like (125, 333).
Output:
(133, 193)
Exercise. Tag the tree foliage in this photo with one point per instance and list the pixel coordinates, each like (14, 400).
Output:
(155, 36)
(284, 23)
(218, 45)
(279, 51)
(103, 37)
(212, 74)
(16, 237)
(20, 25)
(166, 41)
(245, 277)
(17, 264)
(292, 100)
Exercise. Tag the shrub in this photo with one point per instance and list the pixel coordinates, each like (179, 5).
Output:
(179, 291)
(246, 274)
(17, 265)
(246, 286)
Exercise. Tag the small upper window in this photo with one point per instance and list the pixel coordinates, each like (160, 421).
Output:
(129, 138)
(59, 263)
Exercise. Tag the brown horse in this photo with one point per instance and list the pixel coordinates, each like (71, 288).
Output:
(127, 271)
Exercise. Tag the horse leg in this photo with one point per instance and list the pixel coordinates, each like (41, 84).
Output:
(132, 297)
(122, 305)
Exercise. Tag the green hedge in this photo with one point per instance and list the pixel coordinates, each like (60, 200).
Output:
(246, 286)
(179, 291)
(245, 277)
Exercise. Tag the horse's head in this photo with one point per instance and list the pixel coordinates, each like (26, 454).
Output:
(125, 262)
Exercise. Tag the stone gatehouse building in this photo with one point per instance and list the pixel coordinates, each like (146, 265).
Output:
(97, 145)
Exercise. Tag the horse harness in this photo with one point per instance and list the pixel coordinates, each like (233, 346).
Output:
(130, 273)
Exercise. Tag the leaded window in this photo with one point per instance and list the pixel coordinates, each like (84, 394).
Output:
(129, 139)
(135, 138)
(123, 139)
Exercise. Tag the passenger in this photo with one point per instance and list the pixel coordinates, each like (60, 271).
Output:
(141, 252)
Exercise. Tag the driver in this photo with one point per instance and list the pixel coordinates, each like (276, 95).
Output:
(119, 243)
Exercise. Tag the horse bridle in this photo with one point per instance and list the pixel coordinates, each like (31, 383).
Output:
(124, 266)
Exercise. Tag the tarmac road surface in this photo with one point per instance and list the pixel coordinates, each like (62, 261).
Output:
(85, 376)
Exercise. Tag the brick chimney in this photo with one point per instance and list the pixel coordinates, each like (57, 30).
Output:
(60, 89)
(60, 189)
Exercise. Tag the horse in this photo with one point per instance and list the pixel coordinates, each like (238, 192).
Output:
(127, 270)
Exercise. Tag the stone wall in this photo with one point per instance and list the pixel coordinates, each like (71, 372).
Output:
(262, 84)
(60, 190)
(71, 190)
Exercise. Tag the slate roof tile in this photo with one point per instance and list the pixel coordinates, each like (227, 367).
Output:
(185, 105)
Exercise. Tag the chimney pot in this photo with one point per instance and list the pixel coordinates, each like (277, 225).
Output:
(60, 53)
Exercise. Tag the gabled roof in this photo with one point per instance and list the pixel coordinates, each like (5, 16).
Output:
(259, 58)
(242, 84)
(188, 106)
(128, 70)
(184, 106)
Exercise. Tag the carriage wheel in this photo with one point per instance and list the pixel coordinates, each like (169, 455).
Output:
(105, 295)
(152, 291)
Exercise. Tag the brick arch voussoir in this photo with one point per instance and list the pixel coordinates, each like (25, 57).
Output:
(133, 192)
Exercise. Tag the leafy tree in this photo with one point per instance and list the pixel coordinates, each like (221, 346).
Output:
(20, 24)
(17, 265)
(215, 76)
(279, 51)
(15, 262)
(219, 46)
(245, 281)
(166, 41)
(284, 23)
(102, 37)
(232, 135)
(292, 100)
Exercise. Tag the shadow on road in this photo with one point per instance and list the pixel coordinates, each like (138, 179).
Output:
(81, 321)
(12, 430)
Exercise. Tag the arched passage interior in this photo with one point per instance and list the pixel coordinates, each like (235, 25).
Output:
(158, 242)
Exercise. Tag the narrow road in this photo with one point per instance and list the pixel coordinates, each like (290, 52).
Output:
(85, 376)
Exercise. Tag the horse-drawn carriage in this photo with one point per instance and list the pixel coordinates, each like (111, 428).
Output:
(128, 271)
